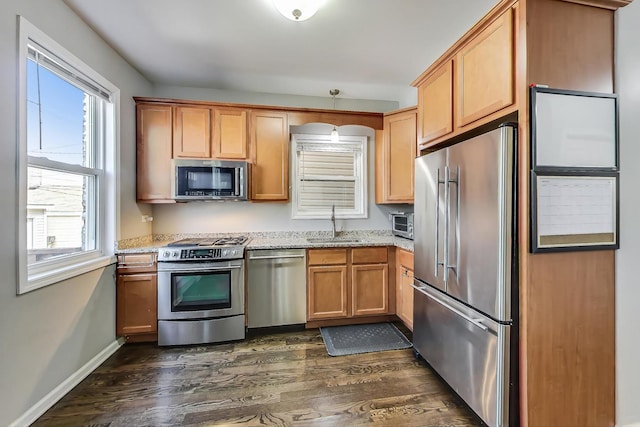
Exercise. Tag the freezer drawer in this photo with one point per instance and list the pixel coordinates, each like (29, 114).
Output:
(469, 350)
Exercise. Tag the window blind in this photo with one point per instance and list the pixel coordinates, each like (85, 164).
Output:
(327, 177)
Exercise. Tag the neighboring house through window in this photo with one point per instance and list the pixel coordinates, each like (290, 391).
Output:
(329, 174)
(66, 151)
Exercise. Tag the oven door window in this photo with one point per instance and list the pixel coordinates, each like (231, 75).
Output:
(204, 291)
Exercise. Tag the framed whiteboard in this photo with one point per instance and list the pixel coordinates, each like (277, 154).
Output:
(573, 211)
(573, 130)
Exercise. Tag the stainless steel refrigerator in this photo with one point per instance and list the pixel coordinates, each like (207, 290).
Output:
(465, 274)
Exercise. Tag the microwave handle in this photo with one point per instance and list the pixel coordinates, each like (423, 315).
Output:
(237, 192)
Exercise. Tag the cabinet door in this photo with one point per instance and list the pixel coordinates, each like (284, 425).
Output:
(192, 132)
(406, 313)
(327, 293)
(153, 148)
(435, 105)
(484, 72)
(230, 134)
(270, 156)
(370, 289)
(394, 174)
(136, 311)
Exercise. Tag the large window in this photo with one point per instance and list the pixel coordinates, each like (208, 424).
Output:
(66, 149)
(328, 174)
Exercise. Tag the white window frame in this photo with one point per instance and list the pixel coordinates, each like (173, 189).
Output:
(55, 270)
(362, 170)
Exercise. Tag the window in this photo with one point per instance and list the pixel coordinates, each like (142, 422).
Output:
(329, 173)
(66, 150)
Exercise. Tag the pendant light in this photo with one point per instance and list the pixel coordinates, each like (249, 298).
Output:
(297, 10)
(335, 137)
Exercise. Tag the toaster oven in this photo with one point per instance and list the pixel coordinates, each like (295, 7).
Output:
(402, 224)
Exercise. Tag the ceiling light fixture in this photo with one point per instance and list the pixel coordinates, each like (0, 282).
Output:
(335, 137)
(297, 10)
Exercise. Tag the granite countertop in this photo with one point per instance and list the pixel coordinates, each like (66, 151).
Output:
(277, 240)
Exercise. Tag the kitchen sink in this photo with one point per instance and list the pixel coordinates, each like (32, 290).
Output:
(331, 240)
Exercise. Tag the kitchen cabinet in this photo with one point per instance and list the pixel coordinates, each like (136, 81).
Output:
(484, 72)
(192, 132)
(269, 156)
(473, 80)
(153, 152)
(136, 297)
(369, 281)
(346, 283)
(395, 153)
(229, 133)
(435, 104)
(404, 291)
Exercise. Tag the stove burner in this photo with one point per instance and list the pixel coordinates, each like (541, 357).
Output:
(206, 241)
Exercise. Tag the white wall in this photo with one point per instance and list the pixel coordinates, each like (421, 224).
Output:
(627, 283)
(48, 334)
(219, 217)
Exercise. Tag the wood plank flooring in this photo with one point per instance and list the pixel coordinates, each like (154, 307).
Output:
(283, 379)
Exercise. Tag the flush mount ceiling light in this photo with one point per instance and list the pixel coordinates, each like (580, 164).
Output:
(335, 137)
(297, 10)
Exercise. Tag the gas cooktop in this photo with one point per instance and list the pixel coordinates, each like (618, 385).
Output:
(209, 241)
(204, 249)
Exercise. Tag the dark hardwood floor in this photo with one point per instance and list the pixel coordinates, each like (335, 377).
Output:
(283, 379)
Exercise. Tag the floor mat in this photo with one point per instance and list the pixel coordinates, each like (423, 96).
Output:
(354, 339)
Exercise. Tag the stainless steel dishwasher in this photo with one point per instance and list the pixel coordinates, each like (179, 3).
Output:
(276, 287)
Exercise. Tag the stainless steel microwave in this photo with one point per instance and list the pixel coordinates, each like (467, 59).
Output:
(402, 224)
(209, 180)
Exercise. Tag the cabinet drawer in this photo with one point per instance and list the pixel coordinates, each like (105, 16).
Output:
(136, 263)
(327, 256)
(405, 259)
(373, 255)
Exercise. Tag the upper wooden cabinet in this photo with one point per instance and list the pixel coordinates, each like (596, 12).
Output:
(435, 104)
(270, 156)
(192, 132)
(484, 76)
(395, 154)
(153, 152)
(229, 133)
(474, 80)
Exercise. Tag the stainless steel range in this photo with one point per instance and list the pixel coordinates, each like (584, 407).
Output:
(201, 291)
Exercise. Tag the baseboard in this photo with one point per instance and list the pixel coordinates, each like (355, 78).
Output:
(629, 425)
(33, 413)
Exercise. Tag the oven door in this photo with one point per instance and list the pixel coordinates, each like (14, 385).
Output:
(199, 290)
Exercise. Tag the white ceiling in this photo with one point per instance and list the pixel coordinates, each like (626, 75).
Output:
(369, 49)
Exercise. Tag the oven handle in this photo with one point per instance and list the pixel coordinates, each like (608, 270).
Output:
(192, 269)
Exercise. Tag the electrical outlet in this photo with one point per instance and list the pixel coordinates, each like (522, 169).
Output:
(147, 218)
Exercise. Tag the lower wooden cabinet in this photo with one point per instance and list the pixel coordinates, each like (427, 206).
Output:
(327, 292)
(347, 282)
(370, 289)
(137, 297)
(404, 291)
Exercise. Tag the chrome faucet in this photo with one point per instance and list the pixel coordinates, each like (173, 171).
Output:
(333, 221)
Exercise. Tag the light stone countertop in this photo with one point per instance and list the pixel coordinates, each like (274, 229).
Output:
(277, 240)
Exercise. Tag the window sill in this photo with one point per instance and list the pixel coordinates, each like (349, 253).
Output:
(63, 273)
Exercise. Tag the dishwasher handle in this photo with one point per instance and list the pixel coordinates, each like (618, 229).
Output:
(275, 257)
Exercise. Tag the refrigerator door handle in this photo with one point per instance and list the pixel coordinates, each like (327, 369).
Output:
(437, 262)
(476, 322)
(456, 182)
(447, 208)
